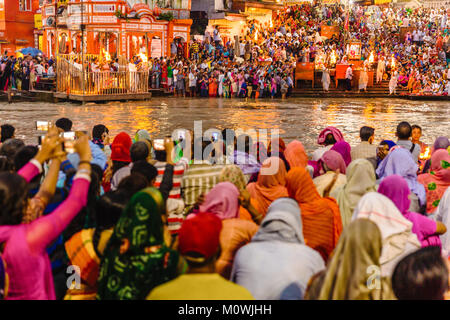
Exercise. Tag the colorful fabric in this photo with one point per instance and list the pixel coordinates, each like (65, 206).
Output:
(344, 149)
(396, 231)
(334, 161)
(322, 224)
(270, 185)
(390, 143)
(396, 188)
(29, 267)
(233, 174)
(399, 161)
(137, 259)
(358, 250)
(247, 162)
(277, 146)
(142, 135)
(222, 200)
(438, 180)
(120, 148)
(200, 234)
(360, 180)
(441, 143)
(197, 179)
(334, 131)
(235, 234)
(178, 172)
(81, 252)
(296, 155)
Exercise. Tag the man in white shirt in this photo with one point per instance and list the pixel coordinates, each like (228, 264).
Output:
(175, 72)
(216, 34)
(415, 36)
(39, 70)
(348, 78)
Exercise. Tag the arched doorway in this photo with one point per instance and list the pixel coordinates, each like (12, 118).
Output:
(181, 44)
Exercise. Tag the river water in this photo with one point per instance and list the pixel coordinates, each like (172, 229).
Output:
(296, 118)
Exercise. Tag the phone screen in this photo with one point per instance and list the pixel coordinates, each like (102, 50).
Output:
(69, 142)
(158, 144)
(215, 136)
(42, 125)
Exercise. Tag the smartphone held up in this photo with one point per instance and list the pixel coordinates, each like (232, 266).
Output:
(69, 141)
(43, 125)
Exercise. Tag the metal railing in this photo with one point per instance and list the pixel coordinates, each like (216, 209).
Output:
(70, 80)
(73, 56)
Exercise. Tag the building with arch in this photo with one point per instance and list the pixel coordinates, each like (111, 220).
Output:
(118, 27)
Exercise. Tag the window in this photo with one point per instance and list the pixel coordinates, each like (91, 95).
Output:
(25, 5)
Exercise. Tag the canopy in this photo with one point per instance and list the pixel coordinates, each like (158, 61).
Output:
(31, 51)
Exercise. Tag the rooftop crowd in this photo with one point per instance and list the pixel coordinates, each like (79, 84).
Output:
(131, 217)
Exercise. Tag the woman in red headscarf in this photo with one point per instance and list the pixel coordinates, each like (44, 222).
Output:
(321, 218)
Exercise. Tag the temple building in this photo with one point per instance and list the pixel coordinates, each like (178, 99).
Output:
(117, 27)
(17, 25)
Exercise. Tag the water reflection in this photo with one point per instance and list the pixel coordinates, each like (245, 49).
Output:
(299, 118)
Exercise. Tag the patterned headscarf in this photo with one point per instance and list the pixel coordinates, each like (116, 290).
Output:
(233, 174)
(438, 180)
(136, 259)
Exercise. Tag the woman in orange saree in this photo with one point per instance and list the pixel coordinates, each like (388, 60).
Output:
(212, 86)
(270, 186)
(321, 218)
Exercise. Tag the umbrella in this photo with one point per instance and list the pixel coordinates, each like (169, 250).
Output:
(31, 51)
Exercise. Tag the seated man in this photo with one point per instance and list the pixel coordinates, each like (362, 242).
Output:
(404, 132)
(365, 149)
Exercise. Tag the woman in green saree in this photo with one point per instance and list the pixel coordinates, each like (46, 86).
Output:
(137, 259)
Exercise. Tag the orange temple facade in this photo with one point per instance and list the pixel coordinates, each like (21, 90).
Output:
(17, 25)
(113, 27)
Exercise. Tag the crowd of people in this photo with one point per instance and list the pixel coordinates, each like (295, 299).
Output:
(134, 217)
(263, 62)
(22, 73)
(410, 48)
